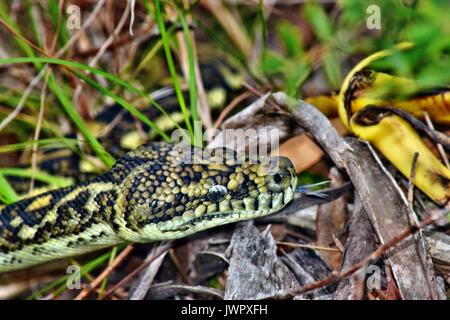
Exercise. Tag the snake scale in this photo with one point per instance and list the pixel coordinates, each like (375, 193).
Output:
(151, 194)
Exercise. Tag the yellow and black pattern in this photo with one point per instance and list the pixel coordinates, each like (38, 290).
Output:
(117, 129)
(153, 193)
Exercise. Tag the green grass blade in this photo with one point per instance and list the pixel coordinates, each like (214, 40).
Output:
(7, 193)
(59, 22)
(113, 255)
(262, 17)
(149, 56)
(4, 15)
(76, 65)
(78, 121)
(192, 77)
(61, 282)
(171, 65)
(71, 143)
(56, 181)
(124, 104)
(33, 23)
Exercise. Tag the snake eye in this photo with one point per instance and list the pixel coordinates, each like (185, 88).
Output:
(278, 181)
(217, 192)
(277, 178)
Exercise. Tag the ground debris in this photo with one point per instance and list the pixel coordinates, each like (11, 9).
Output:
(255, 271)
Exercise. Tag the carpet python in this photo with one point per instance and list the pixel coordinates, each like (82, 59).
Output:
(153, 193)
(116, 128)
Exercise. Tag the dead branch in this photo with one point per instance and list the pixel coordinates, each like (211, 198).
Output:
(146, 280)
(161, 250)
(380, 195)
(336, 276)
(360, 244)
(255, 271)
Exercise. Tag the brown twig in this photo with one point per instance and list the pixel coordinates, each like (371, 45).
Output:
(52, 47)
(259, 93)
(252, 89)
(413, 221)
(410, 197)
(127, 278)
(308, 246)
(93, 62)
(145, 281)
(202, 101)
(22, 38)
(438, 145)
(37, 132)
(351, 270)
(97, 281)
(233, 104)
(179, 268)
(231, 24)
(360, 243)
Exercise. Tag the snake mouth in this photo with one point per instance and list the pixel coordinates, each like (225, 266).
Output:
(234, 210)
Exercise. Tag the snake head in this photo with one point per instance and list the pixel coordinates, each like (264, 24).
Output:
(171, 197)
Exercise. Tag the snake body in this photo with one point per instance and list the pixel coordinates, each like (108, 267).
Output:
(151, 194)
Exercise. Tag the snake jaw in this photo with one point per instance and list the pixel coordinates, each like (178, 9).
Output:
(266, 203)
(273, 190)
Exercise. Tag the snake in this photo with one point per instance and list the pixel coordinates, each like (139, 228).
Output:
(156, 192)
(116, 128)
